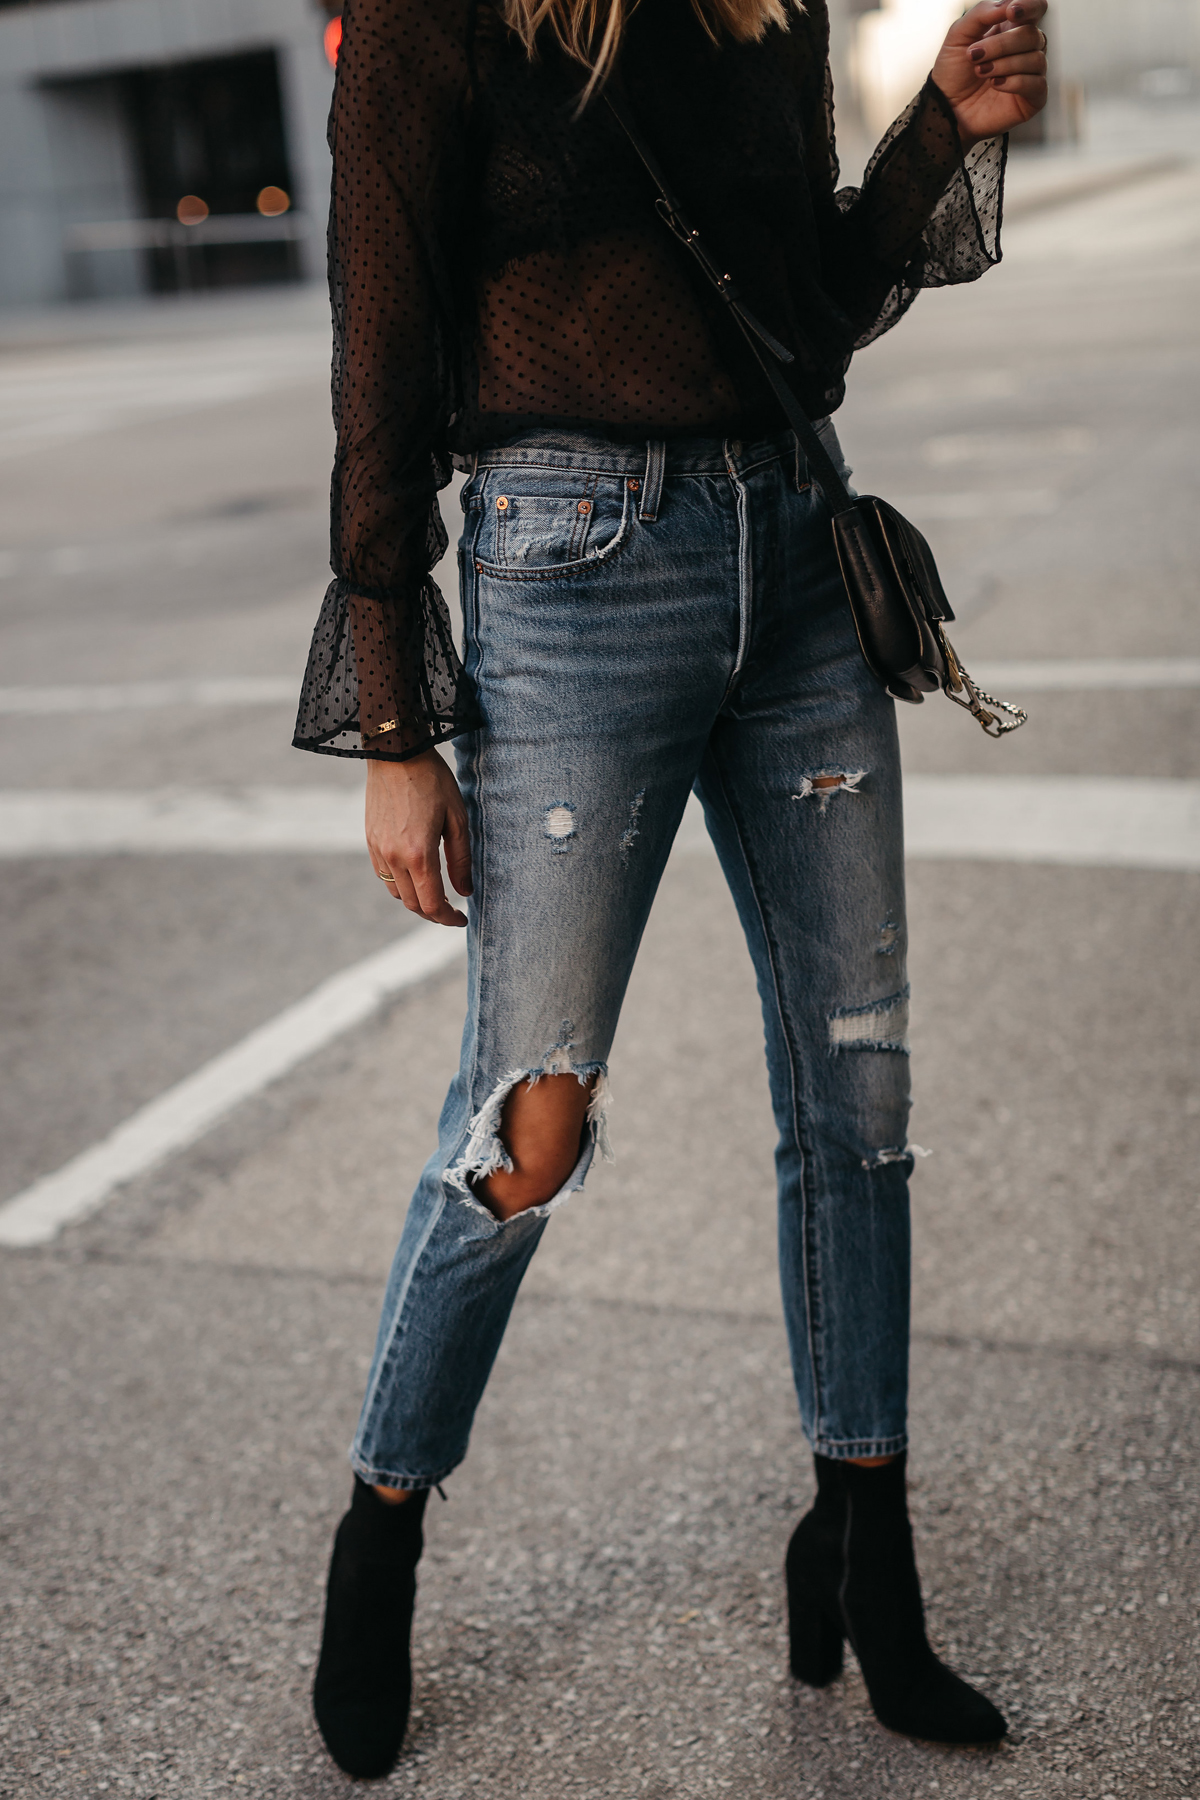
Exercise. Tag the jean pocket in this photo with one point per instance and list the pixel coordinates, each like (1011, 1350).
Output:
(529, 529)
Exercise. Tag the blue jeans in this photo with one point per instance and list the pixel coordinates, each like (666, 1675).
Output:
(642, 622)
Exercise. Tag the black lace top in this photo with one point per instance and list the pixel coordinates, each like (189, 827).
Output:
(496, 263)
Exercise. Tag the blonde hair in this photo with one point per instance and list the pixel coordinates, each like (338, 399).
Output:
(590, 31)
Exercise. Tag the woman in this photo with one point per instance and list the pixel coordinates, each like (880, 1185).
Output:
(651, 605)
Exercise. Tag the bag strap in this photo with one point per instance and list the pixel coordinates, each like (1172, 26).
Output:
(670, 209)
(820, 463)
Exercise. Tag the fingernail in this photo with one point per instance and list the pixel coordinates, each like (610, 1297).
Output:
(985, 68)
(978, 53)
(999, 80)
(1016, 12)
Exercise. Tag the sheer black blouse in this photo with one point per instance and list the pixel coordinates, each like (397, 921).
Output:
(496, 263)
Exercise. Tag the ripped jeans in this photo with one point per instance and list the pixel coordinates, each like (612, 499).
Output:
(642, 622)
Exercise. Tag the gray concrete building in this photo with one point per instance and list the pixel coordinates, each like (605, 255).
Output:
(112, 111)
(118, 116)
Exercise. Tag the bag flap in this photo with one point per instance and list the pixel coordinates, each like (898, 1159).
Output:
(912, 557)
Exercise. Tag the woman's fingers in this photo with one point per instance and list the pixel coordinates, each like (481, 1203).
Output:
(416, 880)
(1032, 88)
(425, 873)
(1033, 64)
(988, 18)
(1025, 41)
(410, 807)
(992, 68)
(1006, 53)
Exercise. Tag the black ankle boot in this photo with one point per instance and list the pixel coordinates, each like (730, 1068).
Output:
(364, 1678)
(851, 1574)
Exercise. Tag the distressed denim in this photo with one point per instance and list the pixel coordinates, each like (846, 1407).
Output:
(642, 622)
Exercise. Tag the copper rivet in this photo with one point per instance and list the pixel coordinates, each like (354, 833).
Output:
(502, 503)
(634, 485)
(585, 506)
(478, 568)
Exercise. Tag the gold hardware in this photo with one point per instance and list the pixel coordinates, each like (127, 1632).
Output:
(502, 503)
(378, 730)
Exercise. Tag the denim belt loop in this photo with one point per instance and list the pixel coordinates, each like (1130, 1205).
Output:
(656, 462)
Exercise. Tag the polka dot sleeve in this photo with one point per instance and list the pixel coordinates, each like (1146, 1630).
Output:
(384, 677)
(927, 215)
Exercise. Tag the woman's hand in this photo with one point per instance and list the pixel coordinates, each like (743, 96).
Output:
(992, 68)
(411, 807)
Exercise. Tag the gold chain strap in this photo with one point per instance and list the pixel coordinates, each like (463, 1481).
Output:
(977, 700)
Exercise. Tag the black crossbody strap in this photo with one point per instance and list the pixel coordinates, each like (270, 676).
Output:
(820, 463)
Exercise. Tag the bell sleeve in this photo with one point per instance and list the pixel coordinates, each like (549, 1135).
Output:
(928, 213)
(384, 679)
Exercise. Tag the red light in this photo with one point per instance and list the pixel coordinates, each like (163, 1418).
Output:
(333, 39)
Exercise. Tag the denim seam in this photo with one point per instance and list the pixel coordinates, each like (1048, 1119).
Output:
(745, 581)
(479, 877)
(379, 1385)
(812, 1285)
(370, 1400)
(621, 459)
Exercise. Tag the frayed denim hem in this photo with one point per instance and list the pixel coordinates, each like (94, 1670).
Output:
(407, 1484)
(849, 1449)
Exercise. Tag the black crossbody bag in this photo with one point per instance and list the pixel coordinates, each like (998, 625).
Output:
(896, 597)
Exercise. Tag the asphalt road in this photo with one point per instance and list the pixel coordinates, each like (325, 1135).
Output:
(601, 1603)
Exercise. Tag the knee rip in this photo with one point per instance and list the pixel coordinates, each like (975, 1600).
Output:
(881, 1026)
(821, 787)
(486, 1152)
(893, 1153)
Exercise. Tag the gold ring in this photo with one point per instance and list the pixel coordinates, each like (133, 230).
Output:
(384, 875)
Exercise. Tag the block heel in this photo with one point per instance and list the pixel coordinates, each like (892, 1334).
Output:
(815, 1636)
(852, 1575)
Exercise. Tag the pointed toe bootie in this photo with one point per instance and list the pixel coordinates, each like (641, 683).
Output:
(363, 1683)
(851, 1574)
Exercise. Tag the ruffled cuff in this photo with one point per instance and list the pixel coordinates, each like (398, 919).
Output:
(384, 680)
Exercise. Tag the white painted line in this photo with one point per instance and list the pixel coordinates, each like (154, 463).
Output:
(1082, 820)
(188, 1109)
(1100, 821)
(1045, 675)
(166, 821)
(1122, 822)
(144, 696)
(1086, 674)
